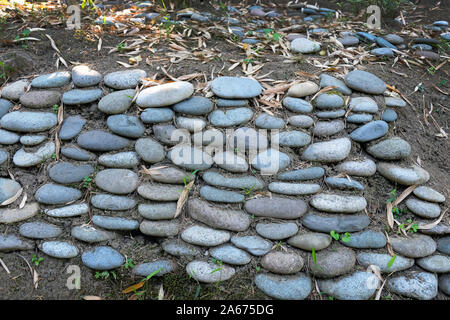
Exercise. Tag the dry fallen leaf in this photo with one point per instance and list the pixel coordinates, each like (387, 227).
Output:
(183, 198)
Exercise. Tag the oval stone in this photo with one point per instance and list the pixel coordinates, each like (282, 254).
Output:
(297, 287)
(390, 149)
(59, 249)
(102, 258)
(280, 208)
(24, 121)
(235, 87)
(365, 82)
(66, 172)
(97, 140)
(55, 194)
(282, 262)
(329, 151)
(165, 94)
(116, 102)
(204, 236)
(208, 272)
(40, 99)
(126, 79)
(311, 240)
(117, 181)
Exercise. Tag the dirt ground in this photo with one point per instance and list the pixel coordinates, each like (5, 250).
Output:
(429, 150)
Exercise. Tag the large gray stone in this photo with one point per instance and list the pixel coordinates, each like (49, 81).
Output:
(235, 87)
(117, 181)
(165, 94)
(365, 82)
(25, 121)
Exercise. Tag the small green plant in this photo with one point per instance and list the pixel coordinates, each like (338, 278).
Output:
(392, 196)
(258, 268)
(336, 236)
(391, 262)
(442, 83)
(105, 275)
(431, 70)
(129, 264)
(55, 108)
(121, 47)
(249, 190)
(53, 156)
(90, 3)
(248, 61)
(187, 179)
(36, 260)
(420, 87)
(87, 182)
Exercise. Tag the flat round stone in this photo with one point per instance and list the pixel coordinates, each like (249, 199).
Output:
(302, 45)
(230, 161)
(97, 140)
(363, 104)
(204, 236)
(55, 194)
(328, 128)
(219, 180)
(116, 102)
(14, 90)
(383, 261)
(428, 194)
(190, 158)
(230, 117)
(158, 211)
(102, 258)
(438, 263)
(359, 118)
(115, 223)
(266, 121)
(364, 168)
(293, 139)
(28, 159)
(235, 87)
(24, 121)
(423, 208)
(294, 188)
(403, 175)
(329, 151)
(178, 247)
(90, 234)
(218, 195)
(207, 272)
(276, 231)
(194, 106)
(32, 140)
(119, 160)
(8, 189)
(39, 230)
(366, 239)
(158, 268)
(66, 172)
(271, 161)
(331, 263)
(171, 135)
(282, 262)
(303, 174)
(339, 223)
(117, 181)
(216, 217)
(83, 76)
(343, 184)
(390, 149)
(81, 96)
(126, 79)
(160, 192)
(157, 115)
(71, 127)
(365, 82)
(160, 228)
(228, 253)
(52, 80)
(394, 102)
(111, 202)
(327, 81)
(281, 208)
(416, 246)
(59, 249)
(370, 131)
(125, 125)
(256, 245)
(297, 105)
(310, 240)
(5, 105)
(329, 100)
(76, 153)
(70, 211)
(351, 287)
(167, 174)
(191, 124)
(40, 99)
(301, 90)
(16, 215)
(165, 94)
(296, 287)
(418, 285)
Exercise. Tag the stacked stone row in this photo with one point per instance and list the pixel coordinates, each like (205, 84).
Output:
(312, 131)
